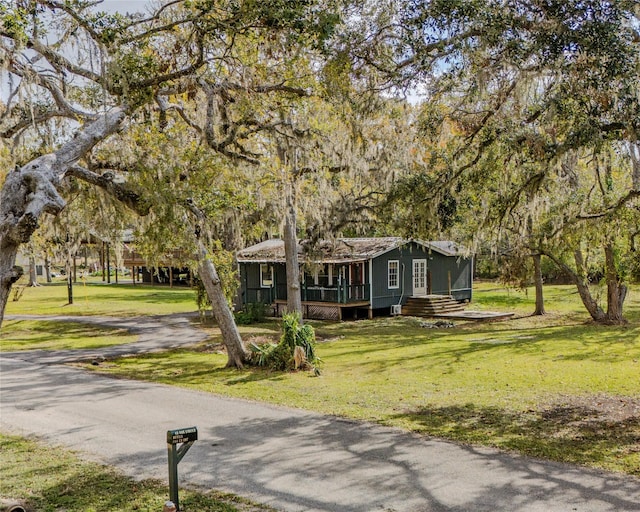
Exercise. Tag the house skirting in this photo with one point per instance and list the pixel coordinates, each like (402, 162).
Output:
(327, 310)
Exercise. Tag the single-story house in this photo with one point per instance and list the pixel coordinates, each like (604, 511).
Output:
(355, 276)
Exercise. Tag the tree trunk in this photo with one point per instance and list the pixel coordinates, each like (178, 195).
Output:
(30, 191)
(538, 281)
(9, 273)
(294, 300)
(580, 279)
(33, 275)
(634, 151)
(27, 193)
(236, 353)
(47, 267)
(616, 290)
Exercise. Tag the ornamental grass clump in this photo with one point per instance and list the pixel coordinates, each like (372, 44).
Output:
(296, 349)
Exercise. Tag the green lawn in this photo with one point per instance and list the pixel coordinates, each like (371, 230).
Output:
(57, 335)
(57, 480)
(96, 298)
(556, 386)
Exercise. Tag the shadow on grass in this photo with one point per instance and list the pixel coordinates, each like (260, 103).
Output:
(99, 489)
(384, 350)
(148, 295)
(253, 374)
(502, 299)
(102, 489)
(574, 433)
(632, 312)
(178, 367)
(34, 334)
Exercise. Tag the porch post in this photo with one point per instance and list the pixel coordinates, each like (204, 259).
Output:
(245, 295)
(370, 289)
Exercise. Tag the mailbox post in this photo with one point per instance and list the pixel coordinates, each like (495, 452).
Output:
(185, 437)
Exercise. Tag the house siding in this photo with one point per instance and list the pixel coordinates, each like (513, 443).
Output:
(445, 275)
(441, 267)
(384, 297)
(252, 290)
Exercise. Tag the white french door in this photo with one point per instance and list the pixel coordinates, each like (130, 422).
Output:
(419, 277)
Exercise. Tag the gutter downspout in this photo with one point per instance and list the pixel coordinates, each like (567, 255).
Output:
(402, 289)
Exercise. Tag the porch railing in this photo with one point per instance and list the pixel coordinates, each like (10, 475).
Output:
(342, 294)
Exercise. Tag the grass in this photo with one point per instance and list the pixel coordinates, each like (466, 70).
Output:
(54, 480)
(95, 298)
(556, 387)
(57, 335)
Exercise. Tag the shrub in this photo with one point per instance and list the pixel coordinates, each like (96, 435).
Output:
(296, 349)
(253, 312)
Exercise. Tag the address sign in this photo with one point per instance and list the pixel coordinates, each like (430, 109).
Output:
(182, 435)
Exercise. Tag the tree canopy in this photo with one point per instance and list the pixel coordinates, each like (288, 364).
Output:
(526, 137)
(81, 80)
(531, 117)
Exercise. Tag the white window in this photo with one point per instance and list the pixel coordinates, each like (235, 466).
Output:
(266, 275)
(392, 273)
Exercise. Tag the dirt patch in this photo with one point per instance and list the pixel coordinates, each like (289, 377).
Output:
(328, 339)
(594, 408)
(261, 340)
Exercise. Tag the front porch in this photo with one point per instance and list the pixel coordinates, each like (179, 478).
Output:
(328, 310)
(340, 294)
(318, 302)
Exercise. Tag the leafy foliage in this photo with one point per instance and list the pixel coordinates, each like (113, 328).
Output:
(295, 350)
(254, 312)
(531, 110)
(223, 260)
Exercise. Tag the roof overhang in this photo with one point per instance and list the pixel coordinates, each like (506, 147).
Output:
(341, 250)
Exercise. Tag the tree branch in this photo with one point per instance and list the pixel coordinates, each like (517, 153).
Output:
(27, 193)
(66, 108)
(119, 191)
(62, 64)
(632, 194)
(90, 135)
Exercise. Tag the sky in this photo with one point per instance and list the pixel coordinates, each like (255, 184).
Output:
(123, 6)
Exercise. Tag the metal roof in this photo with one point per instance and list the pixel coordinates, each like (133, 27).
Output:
(444, 247)
(339, 250)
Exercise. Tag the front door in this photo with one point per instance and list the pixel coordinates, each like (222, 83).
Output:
(419, 277)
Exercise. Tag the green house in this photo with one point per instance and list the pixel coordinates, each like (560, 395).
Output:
(356, 277)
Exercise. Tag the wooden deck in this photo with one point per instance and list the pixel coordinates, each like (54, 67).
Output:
(443, 306)
(482, 316)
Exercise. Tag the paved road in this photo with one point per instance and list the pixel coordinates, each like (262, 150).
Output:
(289, 459)
(155, 333)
